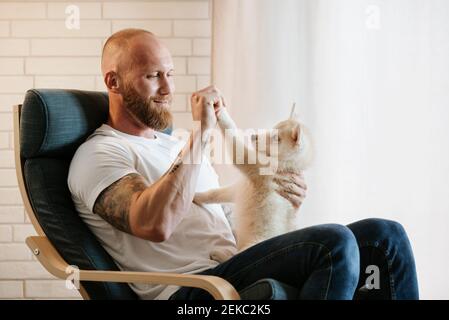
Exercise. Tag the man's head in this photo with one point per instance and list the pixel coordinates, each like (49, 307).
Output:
(138, 72)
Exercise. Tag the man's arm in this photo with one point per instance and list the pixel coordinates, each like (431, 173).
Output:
(153, 212)
(243, 157)
(114, 202)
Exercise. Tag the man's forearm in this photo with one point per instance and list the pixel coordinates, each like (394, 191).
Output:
(161, 206)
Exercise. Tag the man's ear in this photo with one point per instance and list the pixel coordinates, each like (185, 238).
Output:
(112, 81)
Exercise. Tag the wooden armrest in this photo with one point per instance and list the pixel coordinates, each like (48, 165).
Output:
(47, 255)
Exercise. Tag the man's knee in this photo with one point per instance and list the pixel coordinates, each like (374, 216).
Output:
(387, 227)
(335, 240)
(378, 230)
(343, 252)
(333, 249)
(341, 242)
(327, 236)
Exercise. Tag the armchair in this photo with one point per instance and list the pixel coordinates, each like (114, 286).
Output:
(48, 128)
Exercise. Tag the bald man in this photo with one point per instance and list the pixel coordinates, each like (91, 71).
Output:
(125, 181)
(133, 185)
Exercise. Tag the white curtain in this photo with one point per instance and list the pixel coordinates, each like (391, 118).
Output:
(372, 82)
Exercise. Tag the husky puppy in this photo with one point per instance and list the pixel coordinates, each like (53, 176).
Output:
(260, 211)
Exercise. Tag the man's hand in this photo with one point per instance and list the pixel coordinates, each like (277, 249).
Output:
(292, 187)
(205, 103)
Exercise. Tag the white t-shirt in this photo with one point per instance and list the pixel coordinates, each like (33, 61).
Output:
(108, 155)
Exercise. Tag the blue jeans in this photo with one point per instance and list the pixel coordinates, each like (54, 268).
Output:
(326, 261)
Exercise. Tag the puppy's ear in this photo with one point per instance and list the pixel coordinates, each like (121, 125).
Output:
(293, 112)
(296, 132)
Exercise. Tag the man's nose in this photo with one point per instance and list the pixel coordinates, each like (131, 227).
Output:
(166, 86)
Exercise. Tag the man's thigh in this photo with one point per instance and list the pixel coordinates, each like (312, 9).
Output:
(288, 258)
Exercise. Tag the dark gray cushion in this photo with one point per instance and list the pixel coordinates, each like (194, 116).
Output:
(53, 124)
(56, 121)
(50, 197)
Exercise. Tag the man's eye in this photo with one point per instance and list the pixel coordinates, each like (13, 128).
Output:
(156, 75)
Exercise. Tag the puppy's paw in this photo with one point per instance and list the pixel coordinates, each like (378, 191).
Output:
(200, 197)
(225, 121)
(221, 256)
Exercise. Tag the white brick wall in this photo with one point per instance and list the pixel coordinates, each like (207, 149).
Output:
(11, 214)
(60, 66)
(11, 289)
(66, 47)
(163, 28)
(15, 84)
(8, 100)
(57, 29)
(21, 10)
(14, 47)
(192, 28)
(48, 289)
(11, 66)
(87, 10)
(7, 159)
(156, 10)
(37, 51)
(4, 29)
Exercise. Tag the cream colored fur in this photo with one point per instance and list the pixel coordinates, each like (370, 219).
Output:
(261, 212)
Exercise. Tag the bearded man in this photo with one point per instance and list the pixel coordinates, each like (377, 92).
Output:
(133, 185)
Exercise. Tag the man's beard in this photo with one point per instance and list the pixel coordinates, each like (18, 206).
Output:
(145, 110)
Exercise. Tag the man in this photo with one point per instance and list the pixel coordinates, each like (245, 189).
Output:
(133, 186)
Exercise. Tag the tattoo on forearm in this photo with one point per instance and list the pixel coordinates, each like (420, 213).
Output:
(190, 155)
(114, 202)
(175, 167)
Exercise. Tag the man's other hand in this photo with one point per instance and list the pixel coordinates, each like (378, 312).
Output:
(292, 187)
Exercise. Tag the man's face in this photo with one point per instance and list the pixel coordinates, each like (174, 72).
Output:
(148, 85)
